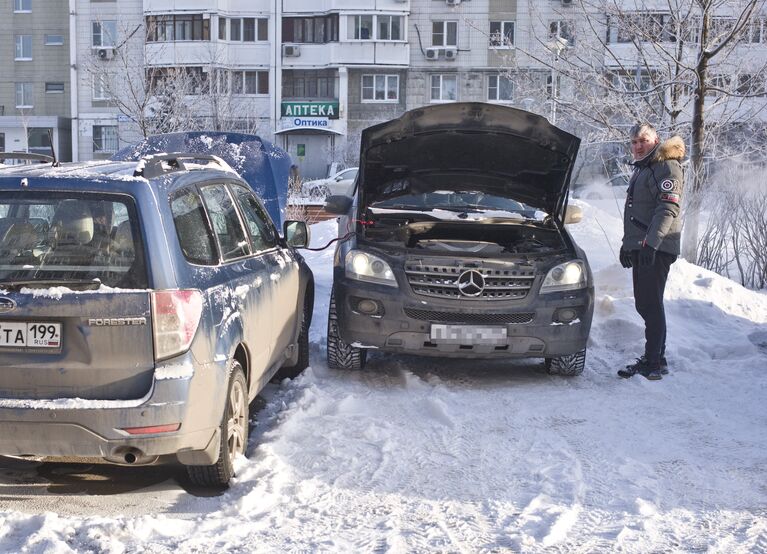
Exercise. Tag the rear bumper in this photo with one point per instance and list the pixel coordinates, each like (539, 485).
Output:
(95, 428)
(398, 331)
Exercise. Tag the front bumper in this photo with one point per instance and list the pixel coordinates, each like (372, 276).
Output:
(94, 428)
(407, 319)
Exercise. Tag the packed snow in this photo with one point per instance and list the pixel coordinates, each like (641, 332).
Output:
(421, 454)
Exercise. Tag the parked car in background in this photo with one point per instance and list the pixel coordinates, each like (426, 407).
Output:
(460, 246)
(142, 307)
(614, 187)
(340, 183)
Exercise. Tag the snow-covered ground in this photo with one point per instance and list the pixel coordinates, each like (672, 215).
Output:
(417, 455)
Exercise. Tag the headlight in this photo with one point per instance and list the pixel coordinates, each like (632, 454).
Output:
(367, 267)
(566, 276)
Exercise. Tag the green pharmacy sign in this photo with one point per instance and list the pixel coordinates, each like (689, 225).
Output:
(310, 109)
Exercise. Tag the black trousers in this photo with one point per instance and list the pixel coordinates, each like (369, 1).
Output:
(649, 286)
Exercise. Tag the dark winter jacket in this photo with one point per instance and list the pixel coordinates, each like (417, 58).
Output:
(654, 199)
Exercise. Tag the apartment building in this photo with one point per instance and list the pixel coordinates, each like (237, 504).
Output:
(34, 89)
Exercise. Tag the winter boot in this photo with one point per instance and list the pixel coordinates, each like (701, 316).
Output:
(648, 370)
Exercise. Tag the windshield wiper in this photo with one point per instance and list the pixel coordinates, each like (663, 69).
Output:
(74, 284)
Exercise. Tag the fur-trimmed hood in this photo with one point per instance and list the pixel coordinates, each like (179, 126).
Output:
(671, 149)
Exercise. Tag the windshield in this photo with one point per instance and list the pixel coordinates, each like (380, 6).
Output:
(471, 205)
(67, 239)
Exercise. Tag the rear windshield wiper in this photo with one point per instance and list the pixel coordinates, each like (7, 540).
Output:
(74, 284)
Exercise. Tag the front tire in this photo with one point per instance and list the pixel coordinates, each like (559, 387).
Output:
(234, 434)
(569, 366)
(341, 355)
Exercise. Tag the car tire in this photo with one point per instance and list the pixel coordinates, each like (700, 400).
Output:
(291, 372)
(341, 355)
(234, 433)
(569, 366)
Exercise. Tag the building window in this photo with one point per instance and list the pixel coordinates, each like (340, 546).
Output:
(2, 142)
(100, 88)
(235, 29)
(444, 88)
(562, 30)
(444, 33)
(380, 88)
(389, 27)
(104, 33)
(23, 47)
(310, 85)
(360, 27)
(308, 30)
(54, 40)
(39, 140)
(221, 28)
(250, 82)
(164, 28)
(24, 95)
(500, 89)
(104, 139)
(54, 87)
(22, 5)
(501, 34)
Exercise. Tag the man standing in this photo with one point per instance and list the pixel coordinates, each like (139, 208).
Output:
(651, 237)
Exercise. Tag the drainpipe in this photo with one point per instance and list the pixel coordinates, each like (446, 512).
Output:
(276, 68)
(74, 82)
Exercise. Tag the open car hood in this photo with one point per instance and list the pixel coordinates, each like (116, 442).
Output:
(468, 146)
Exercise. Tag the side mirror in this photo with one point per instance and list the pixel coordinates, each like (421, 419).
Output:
(296, 233)
(573, 214)
(338, 204)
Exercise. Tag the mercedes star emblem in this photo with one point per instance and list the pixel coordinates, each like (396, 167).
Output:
(471, 283)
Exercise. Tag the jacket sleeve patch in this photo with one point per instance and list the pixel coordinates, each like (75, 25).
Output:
(669, 197)
(669, 184)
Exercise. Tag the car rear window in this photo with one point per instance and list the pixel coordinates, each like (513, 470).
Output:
(67, 237)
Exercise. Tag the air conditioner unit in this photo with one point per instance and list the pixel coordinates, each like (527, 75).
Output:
(451, 53)
(452, 2)
(432, 53)
(567, 2)
(291, 50)
(105, 53)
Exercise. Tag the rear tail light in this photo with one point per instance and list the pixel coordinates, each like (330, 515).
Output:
(169, 428)
(175, 317)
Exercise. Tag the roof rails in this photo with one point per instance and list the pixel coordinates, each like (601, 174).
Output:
(42, 158)
(154, 165)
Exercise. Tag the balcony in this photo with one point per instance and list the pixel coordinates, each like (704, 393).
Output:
(349, 53)
(258, 54)
(321, 6)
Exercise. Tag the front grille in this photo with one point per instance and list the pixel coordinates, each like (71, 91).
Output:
(440, 280)
(453, 317)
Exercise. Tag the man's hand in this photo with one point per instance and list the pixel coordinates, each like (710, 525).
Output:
(646, 256)
(625, 257)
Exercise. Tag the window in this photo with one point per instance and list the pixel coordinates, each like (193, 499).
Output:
(389, 27)
(24, 95)
(2, 142)
(262, 29)
(380, 88)
(563, 30)
(54, 87)
(444, 33)
(553, 86)
(22, 5)
(310, 84)
(164, 28)
(501, 34)
(235, 29)
(54, 40)
(261, 231)
(500, 88)
(249, 29)
(193, 233)
(318, 30)
(646, 26)
(719, 85)
(250, 82)
(23, 47)
(221, 28)
(104, 34)
(360, 27)
(444, 88)
(105, 139)
(100, 88)
(226, 223)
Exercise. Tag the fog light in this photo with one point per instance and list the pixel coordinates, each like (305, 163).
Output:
(566, 315)
(367, 307)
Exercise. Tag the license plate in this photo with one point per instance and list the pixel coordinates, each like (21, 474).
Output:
(30, 334)
(467, 334)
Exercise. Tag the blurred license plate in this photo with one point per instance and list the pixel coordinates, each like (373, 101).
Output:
(467, 334)
(30, 334)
